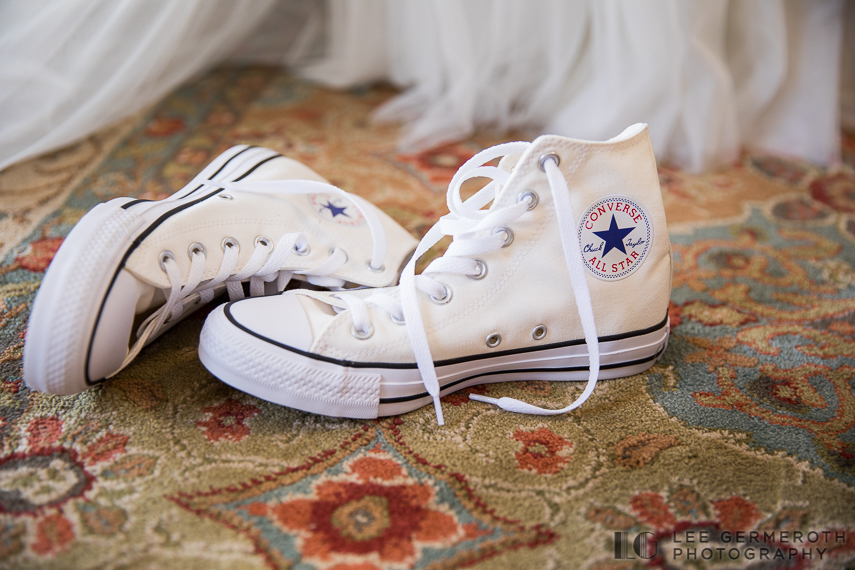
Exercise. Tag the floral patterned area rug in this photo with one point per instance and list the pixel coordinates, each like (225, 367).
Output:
(737, 450)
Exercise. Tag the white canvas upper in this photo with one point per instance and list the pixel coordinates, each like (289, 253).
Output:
(526, 286)
(127, 271)
(251, 214)
(521, 289)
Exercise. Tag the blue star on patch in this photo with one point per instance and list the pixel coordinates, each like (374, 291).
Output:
(614, 237)
(335, 210)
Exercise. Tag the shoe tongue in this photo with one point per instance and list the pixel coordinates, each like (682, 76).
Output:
(320, 314)
(509, 161)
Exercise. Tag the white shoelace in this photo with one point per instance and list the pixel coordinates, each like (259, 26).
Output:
(263, 266)
(476, 232)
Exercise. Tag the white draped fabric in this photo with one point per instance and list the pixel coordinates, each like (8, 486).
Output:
(69, 67)
(710, 77)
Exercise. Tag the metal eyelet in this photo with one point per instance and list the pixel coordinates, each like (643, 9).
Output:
(229, 242)
(530, 196)
(264, 240)
(482, 270)
(539, 332)
(509, 235)
(305, 251)
(396, 320)
(225, 196)
(548, 156)
(444, 299)
(332, 251)
(164, 255)
(494, 340)
(370, 267)
(196, 248)
(362, 335)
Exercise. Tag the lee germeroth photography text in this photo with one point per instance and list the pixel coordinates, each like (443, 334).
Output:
(714, 545)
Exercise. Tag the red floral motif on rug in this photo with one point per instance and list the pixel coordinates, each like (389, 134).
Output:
(542, 451)
(367, 501)
(48, 490)
(227, 421)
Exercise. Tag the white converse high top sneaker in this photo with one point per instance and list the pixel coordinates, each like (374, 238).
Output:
(566, 276)
(130, 268)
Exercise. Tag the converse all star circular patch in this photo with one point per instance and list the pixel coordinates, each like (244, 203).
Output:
(336, 209)
(615, 234)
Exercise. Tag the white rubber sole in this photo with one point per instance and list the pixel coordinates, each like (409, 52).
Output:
(368, 390)
(67, 303)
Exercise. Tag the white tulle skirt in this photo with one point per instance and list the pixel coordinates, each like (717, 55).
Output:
(710, 77)
(69, 67)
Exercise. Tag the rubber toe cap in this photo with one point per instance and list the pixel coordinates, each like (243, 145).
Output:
(278, 318)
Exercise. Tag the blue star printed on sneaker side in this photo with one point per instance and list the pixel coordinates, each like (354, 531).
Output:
(614, 237)
(335, 210)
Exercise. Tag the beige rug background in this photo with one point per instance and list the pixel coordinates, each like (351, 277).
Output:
(747, 423)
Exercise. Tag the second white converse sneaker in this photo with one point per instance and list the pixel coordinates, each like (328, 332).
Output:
(566, 276)
(251, 221)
